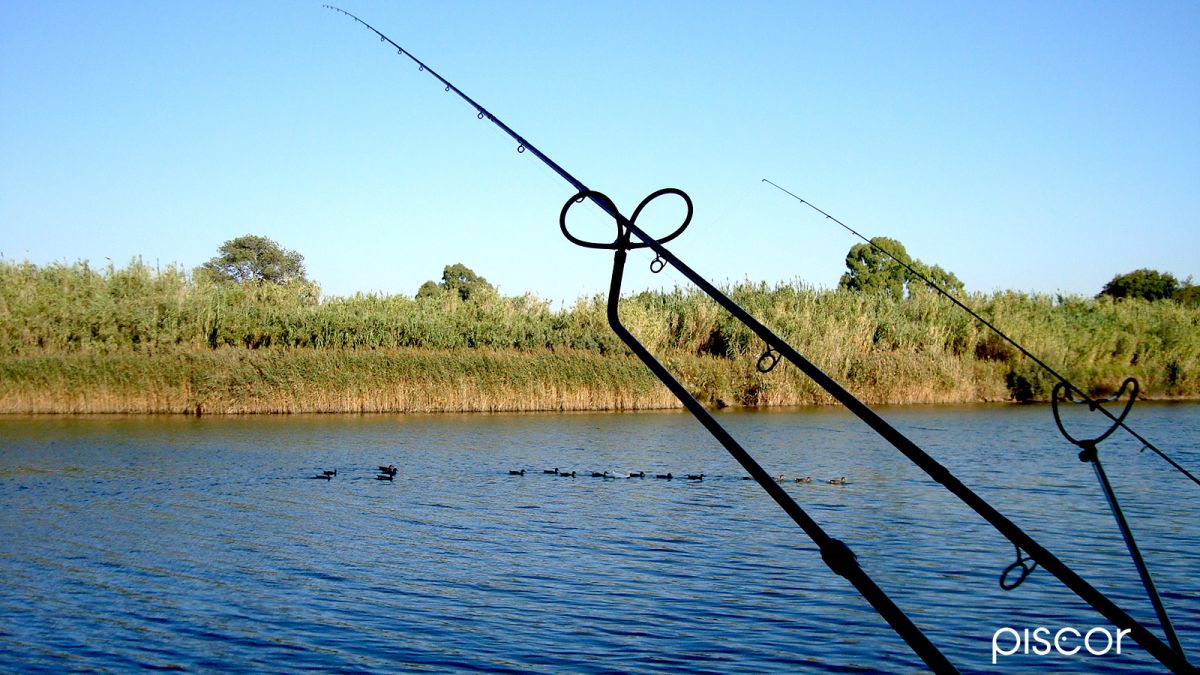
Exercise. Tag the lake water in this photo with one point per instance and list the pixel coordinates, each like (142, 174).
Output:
(202, 544)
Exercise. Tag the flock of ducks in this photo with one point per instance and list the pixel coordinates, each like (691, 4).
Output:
(389, 472)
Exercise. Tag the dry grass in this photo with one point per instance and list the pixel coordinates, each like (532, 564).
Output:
(76, 339)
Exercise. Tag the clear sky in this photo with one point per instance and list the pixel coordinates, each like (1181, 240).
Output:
(1042, 146)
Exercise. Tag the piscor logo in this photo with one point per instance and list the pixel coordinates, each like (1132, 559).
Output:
(1066, 641)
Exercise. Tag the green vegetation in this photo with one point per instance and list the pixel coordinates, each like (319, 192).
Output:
(459, 280)
(254, 258)
(872, 268)
(1151, 285)
(77, 339)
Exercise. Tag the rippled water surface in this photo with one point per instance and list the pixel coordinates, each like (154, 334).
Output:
(202, 544)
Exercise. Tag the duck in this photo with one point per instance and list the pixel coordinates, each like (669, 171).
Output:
(551, 471)
(390, 469)
(385, 476)
(780, 478)
(695, 476)
(598, 474)
(806, 479)
(566, 474)
(639, 474)
(517, 473)
(665, 476)
(322, 476)
(330, 473)
(838, 481)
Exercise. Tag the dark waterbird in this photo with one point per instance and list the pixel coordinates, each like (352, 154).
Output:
(330, 473)
(322, 476)
(566, 474)
(695, 476)
(390, 469)
(517, 473)
(665, 476)
(553, 471)
(386, 476)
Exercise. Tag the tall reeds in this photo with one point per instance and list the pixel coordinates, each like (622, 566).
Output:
(77, 339)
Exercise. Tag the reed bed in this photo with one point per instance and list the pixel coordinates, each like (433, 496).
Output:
(78, 339)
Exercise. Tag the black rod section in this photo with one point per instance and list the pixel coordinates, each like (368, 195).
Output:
(1091, 454)
(835, 553)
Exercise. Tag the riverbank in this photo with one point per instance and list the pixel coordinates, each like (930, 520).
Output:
(77, 340)
(282, 381)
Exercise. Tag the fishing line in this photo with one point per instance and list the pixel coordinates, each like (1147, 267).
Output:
(1070, 387)
(834, 553)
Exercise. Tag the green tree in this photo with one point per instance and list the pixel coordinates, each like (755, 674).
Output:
(460, 280)
(1188, 295)
(254, 258)
(870, 269)
(430, 289)
(942, 277)
(1144, 283)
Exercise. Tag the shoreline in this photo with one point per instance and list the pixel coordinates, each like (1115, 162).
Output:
(188, 382)
(628, 411)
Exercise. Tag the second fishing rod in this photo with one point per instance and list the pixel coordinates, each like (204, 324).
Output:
(1063, 390)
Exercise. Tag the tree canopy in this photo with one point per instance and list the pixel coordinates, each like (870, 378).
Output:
(1144, 283)
(870, 269)
(251, 258)
(460, 280)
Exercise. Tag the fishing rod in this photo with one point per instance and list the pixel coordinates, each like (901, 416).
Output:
(1064, 389)
(834, 553)
(1078, 395)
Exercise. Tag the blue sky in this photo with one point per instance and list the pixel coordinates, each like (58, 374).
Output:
(1040, 146)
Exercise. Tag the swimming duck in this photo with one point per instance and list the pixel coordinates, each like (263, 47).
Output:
(390, 469)
(639, 474)
(330, 473)
(322, 476)
(517, 473)
(565, 474)
(666, 476)
(838, 481)
(553, 471)
(695, 476)
(806, 479)
(780, 478)
(598, 474)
